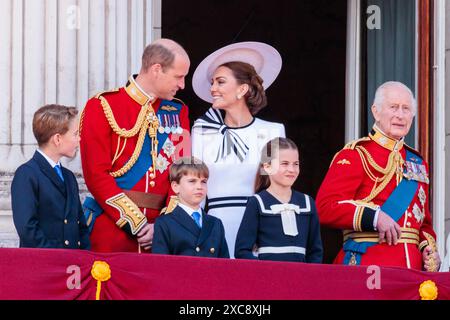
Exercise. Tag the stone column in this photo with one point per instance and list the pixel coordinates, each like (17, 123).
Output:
(61, 51)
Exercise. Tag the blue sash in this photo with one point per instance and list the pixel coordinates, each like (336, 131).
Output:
(91, 208)
(395, 206)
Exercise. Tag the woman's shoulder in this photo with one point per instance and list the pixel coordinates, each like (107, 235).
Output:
(275, 129)
(265, 123)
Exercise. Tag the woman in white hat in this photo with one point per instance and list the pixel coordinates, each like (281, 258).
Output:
(229, 138)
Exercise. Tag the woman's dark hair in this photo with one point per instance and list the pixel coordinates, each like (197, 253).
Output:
(271, 151)
(246, 74)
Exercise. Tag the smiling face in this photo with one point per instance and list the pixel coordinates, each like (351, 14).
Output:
(284, 170)
(225, 89)
(191, 189)
(395, 115)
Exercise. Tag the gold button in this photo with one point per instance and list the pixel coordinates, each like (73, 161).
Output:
(152, 184)
(409, 215)
(212, 250)
(151, 169)
(152, 176)
(65, 221)
(197, 249)
(66, 242)
(408, 224)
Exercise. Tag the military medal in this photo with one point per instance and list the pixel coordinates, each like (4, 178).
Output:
(161, 163)
(161, 127)
(179, 128)
(173, 129)
(168, 148)
(422, 196)
(418, 214)
(167, 124)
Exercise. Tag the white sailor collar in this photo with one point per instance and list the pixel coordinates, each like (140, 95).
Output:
(297, 199)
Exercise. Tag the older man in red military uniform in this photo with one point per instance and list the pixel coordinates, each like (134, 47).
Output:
(129, 138)
(376, 191)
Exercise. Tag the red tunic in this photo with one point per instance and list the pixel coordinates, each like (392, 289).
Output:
(99, 145)
(347, 181)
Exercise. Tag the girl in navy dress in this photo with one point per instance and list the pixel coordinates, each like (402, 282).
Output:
(279, 223)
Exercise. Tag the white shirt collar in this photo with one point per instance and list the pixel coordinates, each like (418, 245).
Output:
(50, 161)
(189, 210)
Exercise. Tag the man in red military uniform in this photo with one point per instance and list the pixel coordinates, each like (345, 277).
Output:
(376, 191)
(129, 138)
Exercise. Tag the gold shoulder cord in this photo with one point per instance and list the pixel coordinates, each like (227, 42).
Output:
(147, 120)
(80, 121)
(394, 166)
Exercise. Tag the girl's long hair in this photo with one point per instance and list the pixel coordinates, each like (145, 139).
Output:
(269, 152)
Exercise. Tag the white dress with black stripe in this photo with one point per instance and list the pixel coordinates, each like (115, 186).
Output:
(232, 156)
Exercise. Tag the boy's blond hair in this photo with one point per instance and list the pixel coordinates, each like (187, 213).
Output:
(50, 120)
(187, 165)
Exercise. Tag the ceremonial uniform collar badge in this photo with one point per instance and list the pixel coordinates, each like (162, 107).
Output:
(383, 140)
(136, 92)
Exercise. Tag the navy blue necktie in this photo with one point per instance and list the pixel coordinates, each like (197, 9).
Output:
(59, 172)
(196, 217)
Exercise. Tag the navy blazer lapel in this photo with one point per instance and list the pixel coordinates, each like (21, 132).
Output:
(182, 217)
(69, 191)
(207, 226)
(47, 169)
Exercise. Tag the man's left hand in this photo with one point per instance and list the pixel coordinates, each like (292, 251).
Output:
(145, 236)
(431, 260)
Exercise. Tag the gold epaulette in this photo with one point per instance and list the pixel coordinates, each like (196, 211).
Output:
(107, 91)
(97, 96)
(173, 202)
(352, 144)
(179, 100)
(416, 152)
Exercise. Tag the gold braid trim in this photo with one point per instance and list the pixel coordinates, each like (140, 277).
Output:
(394, 166)
(146, 120)
(119, 153)
(113, 123)
(136, 153)
(80, 122)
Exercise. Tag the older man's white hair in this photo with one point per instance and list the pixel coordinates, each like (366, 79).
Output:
(380, 94)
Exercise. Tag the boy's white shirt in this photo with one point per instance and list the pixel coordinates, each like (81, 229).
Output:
(189, 211)
(49, 160)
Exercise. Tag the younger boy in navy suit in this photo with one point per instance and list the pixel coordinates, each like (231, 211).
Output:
(46, 206)
(188, 230)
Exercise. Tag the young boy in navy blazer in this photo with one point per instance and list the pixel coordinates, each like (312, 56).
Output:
(46, 206)
(188, 230)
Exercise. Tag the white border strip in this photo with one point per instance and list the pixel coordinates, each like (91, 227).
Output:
(264, 210)
(439, 126)
(289, 249)
(353, 71)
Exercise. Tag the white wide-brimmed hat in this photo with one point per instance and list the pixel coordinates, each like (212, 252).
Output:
(264, 58)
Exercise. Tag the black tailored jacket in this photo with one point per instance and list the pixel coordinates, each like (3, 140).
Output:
(47, 212)
(177, 233)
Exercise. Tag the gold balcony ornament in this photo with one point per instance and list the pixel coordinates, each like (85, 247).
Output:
(428, 290)
(101, 272)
